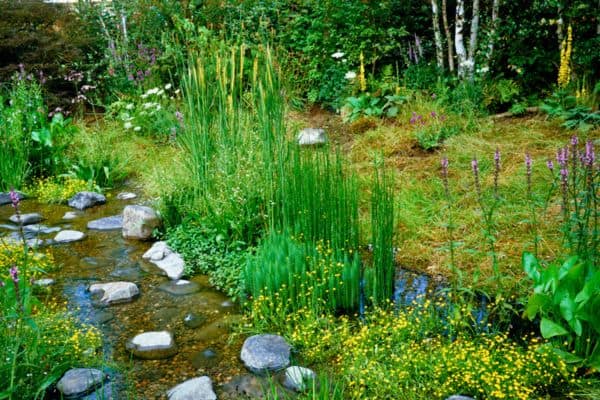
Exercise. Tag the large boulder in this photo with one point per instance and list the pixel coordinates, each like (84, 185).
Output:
(152, 345)
(26, 219)
(312, 137)
(139, 222)
(107, 223)
(193, 389)
(265, 353)
(77, 382)
(83, 200)
(171, 263)
(115, 292)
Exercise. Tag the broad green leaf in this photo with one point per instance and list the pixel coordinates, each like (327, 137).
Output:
(576, 326)
(536, 303)
(567, 357)
(551, 329)
(531, 266)
(566, 267)
(567, 308)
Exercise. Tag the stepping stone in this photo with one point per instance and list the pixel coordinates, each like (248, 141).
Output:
(312, 137)
(107, 224)
(5, 198)
(70, 215)
(180, 287)
(193, 320)
(83, 200)
(77, 382)
(25, 219)
(9, 227)
(44, 282)
(115, 292)
(265, 353)
(152, 345)
(171, 263)
(41, 229)
(298, 378)
(139, 222)
(126, 196)
(193, 389)
(68, 236)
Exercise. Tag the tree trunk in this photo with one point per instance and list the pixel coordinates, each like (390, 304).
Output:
(439, 50)
(559, 26)
(473, 40)
(492, 42)
(461, 53)
(448, 36)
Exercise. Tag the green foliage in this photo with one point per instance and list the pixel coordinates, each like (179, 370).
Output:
(566, 107)
(371, 106)
(566, 297)
(500, 93)
(432, 129)
(210, 252)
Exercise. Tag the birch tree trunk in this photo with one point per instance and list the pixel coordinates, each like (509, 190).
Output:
(448, 36)
(559, 26)
(473, 39)
(439, 50)
(461, 53)
(492, 42)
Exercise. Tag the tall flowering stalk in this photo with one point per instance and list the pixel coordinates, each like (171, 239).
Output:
(564, 71)
(362, 80)
(450, 225)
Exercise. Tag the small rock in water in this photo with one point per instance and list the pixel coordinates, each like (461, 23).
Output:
(312, 137)
(77, 382)
(180, 287)
(248, 386)
(106, 392)
(139, 222)
(41, 229)
(44, 282)
(459, 397)
(5, 198)
(193, 389)
(204, 359)
(115, 292)
(106, 224)
(193, 320)
(265, 353)
(69, 215)
(130, 273)
(171, 263)
(9, 227)
(102, 317)
(298, 378)
(26, 219)
(126, 196)
(227, 303)
(152, 345)
(83, 200)
(69, 236)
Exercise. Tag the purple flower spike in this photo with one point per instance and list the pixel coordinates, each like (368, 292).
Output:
(14, 274)
(475, 166)
(433, 114)
(14, 198)
(574, 140)
(528, 162)
(444, 163)
(550, 165)
(590, 155)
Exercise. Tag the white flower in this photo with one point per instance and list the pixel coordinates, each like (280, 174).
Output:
(148, 105)
(158, 107)
(152, 91)
(129, 106)
(350, 75)
(168, 86)
(127, 125)
(144, 96)
(338, 54)
(137, 129)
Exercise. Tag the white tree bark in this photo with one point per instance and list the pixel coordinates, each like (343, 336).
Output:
(448, 36)
(492, 42)
(439, 50)
(473, 40)
(559, 26)
(461, 53)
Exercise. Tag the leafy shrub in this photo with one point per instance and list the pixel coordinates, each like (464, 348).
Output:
(372, 106)
(57, 190)
(431, 130)
(566, 107)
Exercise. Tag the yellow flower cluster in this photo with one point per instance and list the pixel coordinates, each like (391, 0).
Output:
(58, 190)
(362, 81)
(30, 264)
(564, 71)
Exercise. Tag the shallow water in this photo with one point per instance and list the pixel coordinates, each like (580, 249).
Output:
(106, 257)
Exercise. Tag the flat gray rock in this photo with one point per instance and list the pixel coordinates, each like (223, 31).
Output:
(44, 282)
(312, 137)
(26, 219)
(70, 215)
(193, 389)
(9, 227)
(83, 200)
(180, 287)
(171, 263)
(107, 223)
(68, 236)
(106, 392)
(77, 382)
(152, 345)
(298, 378)
(5, 198)
(194, 320)
(139, 222)
(40, 229)
(115, 292)
(126, 196)
(459, 397)
(265, 353)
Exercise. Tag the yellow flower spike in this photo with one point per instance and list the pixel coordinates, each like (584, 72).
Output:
(361, 75)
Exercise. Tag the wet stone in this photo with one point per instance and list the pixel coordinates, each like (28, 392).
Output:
(69, 236)
(101, 317)
(459, 397)
(193, 389)
(227, 304)
(152, 345)
(298, 378)
(44, 282)
(180, 287)
(126, 196)
(161, 255)
(129, 273)
(139, 222)
(115, 292)
(70, 215)
(247, 386)
(105, 392)
(265, 353)
(83, 200)
(26, 219)
(77, 382)
(5, 198)
(205, 358)
(8, 227)
(106, 224)
(40, 229)
(193, 320)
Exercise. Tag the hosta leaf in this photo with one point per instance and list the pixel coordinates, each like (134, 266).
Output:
(551, 329)
(531, 266)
